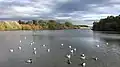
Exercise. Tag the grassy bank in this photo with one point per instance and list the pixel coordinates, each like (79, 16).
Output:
(37, 25)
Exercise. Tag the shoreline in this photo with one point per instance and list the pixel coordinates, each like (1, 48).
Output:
(45, 29)
(38, 25)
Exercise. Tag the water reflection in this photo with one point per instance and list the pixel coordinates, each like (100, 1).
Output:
(53, 53)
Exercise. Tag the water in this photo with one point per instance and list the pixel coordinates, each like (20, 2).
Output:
(84, 41)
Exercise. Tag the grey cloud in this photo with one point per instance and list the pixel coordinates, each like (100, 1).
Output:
(85, 11)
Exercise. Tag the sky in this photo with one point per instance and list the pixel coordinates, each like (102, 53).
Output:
(79, 11)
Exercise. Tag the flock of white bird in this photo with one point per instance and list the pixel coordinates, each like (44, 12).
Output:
(72, 50)
(34, 50)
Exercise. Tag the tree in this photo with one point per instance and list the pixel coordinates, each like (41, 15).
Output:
(52, 24)
(35, 22)
(21, 22)
(110, 23)
(68, 24)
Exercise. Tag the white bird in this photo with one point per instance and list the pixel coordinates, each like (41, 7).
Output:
(25, 37)
(34, 52)
(83, 64)
(44, 45)
(107, 43)
(83, 54)
(95, 58)
(31, 43)
(62, 44)
(20, 41)
(71, 51)
(34, 48)
(97, 45)
(74, 49)
(11, 50)
(48, 50)
(69, 46)
(19, 48)
(68, 56)
(29, 61)
(83, 57)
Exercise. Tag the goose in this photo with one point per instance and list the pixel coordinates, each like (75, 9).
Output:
(83, 57)
(29, 61)
(83, 64)
(34, 52)
(48, 50)
(68, 56)
(11, 50)
(62, 44)
(34, 48)
(19, 48)
(69, 46)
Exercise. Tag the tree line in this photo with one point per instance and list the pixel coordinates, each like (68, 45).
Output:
(50, 24)
(111, 23)
(38, 25)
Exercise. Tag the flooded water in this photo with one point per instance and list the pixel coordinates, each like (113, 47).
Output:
(85, 41)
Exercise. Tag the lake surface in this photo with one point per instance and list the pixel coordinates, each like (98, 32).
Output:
(84, 41)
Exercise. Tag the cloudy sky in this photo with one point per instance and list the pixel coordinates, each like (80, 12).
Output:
(81, 11)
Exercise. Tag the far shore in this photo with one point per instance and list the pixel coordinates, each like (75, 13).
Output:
(38, 25)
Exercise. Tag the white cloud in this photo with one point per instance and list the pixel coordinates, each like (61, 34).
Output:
(62, 17)
(28, 9)
(81, 9)
(63, 1)
(114, 1)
